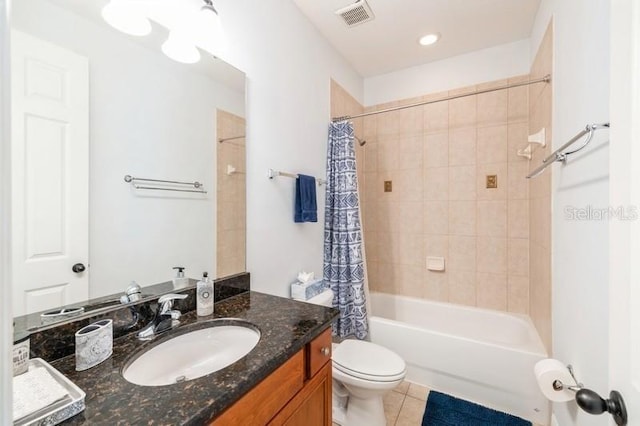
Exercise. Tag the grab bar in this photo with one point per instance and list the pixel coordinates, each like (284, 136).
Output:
(560, 155)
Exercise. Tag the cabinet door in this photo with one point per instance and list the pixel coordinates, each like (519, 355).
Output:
(312, 405)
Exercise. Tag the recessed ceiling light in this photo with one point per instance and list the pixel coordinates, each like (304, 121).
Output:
(429, 39)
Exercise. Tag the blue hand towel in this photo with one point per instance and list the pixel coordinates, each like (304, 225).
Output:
(306, 209)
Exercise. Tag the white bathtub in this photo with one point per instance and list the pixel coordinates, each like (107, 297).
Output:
(475, 354)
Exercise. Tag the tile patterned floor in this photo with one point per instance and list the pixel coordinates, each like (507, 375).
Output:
(404, 406)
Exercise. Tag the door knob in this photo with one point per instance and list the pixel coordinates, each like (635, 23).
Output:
(78, 267)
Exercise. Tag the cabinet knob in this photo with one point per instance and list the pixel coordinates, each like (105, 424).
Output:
(325, 351)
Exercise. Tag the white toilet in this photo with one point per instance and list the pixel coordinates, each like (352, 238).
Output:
(363, 373)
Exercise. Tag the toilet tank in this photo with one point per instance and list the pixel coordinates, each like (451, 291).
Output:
(325, 298)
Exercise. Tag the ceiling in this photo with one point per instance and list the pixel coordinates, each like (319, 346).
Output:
(390, 41)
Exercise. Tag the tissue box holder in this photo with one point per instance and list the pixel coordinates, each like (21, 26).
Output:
(305, 291)
(94, 344)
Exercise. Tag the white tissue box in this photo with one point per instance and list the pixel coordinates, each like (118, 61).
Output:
(305, 291)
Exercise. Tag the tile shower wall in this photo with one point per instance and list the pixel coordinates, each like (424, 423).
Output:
(540, 110)
(231, 195)
(437, 158)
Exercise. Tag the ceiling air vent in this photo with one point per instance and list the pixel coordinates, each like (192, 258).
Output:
(356, 14)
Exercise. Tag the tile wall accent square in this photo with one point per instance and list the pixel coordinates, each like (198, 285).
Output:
(462, 218)
(436, 150)
(462, 253)
(492, 291)
(462, 146)
(492, 218)
(499, 193)
(491, 255)
(492, 144)
(462, 183)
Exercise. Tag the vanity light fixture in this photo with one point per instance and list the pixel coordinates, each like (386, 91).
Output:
(124, 16)
(429, 39)
(209, 12)
(179, 48)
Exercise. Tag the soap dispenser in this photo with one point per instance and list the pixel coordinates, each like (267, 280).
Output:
(180, 281)
(204, 301)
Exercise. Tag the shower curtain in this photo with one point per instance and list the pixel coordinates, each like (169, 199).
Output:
(343, 250)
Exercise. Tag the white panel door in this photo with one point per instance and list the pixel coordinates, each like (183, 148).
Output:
(50, 173)
(624, 307)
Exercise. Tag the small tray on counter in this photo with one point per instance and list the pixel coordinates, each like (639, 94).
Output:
(59, 411)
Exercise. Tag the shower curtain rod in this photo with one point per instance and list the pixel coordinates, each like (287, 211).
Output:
(545, 79)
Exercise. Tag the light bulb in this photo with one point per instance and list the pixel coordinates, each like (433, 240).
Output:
(179, 48)
(206, 30)
(124, 16)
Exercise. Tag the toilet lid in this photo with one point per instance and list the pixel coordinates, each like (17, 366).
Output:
(368, 361)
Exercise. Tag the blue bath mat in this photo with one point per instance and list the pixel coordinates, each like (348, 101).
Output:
(445, 410)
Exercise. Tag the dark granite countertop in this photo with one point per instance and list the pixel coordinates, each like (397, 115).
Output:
(285, 326)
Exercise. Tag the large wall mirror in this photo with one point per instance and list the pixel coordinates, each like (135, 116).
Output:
(91, 105)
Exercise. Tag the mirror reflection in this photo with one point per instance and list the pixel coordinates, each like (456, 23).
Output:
(91, 105)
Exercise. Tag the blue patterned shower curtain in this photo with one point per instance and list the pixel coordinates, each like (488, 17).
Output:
(343, 260)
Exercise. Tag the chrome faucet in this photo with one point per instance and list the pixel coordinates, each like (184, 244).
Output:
(166, 317)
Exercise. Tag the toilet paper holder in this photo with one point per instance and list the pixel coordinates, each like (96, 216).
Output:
(558, 385)
(592, 403)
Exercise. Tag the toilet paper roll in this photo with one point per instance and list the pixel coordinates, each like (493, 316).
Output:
(547, 372)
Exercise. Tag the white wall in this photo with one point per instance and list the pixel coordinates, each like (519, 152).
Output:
(6, 334)
(289, 66)
(580, 249)
(150, 117)
(494, 63)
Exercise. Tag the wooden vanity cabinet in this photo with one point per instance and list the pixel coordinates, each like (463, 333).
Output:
(298, 393)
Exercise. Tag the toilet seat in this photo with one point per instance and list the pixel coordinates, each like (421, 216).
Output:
(368, 361)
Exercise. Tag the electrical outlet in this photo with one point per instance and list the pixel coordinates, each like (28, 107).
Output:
(492, 181)
(388, 186)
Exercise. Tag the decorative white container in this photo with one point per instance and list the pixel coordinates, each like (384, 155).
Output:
(94, 344)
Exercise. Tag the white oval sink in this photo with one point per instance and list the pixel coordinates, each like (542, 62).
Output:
(191, 355)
